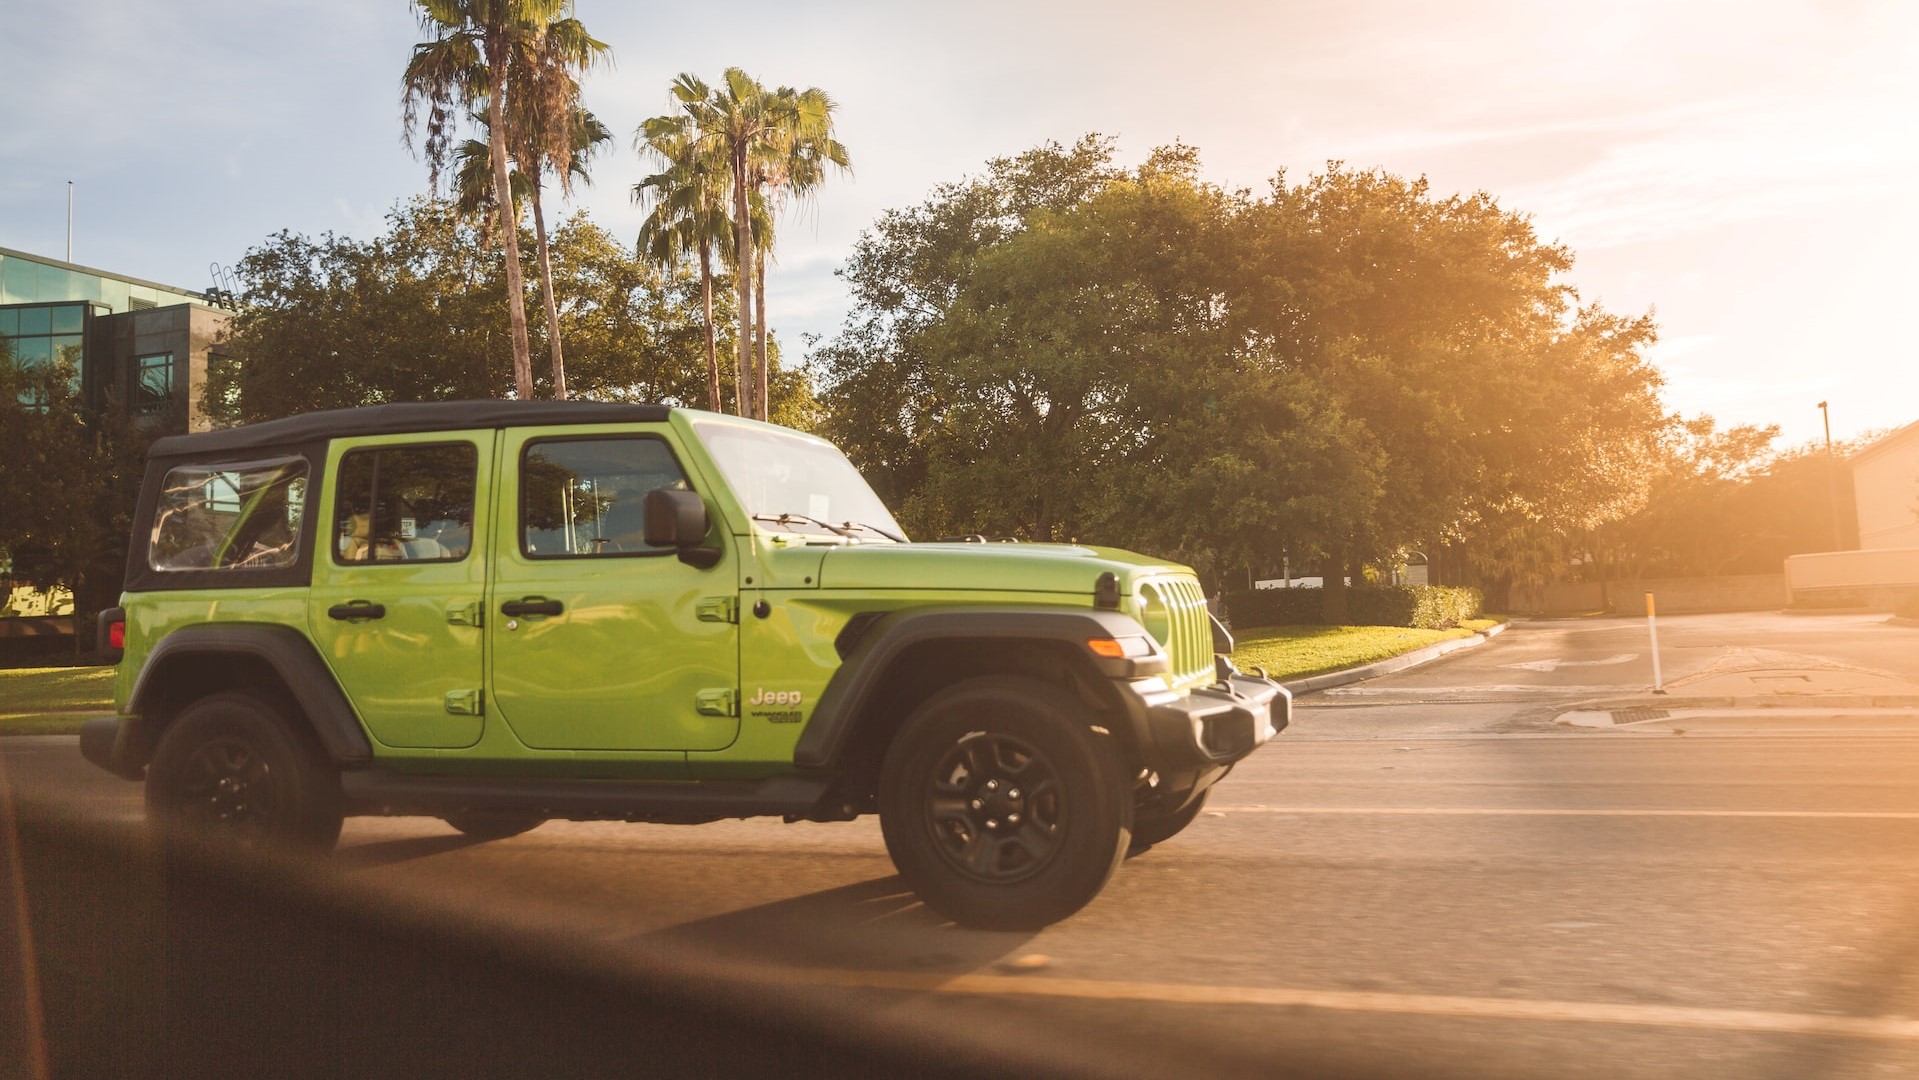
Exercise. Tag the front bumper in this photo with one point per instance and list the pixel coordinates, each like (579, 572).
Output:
(1210, 727)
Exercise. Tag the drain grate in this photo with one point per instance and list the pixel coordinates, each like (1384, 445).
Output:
(1633, 716)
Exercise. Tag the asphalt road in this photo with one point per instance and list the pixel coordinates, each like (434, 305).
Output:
(1427, 876)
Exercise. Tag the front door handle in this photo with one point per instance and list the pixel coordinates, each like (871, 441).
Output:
(355, 610)
(531, 606)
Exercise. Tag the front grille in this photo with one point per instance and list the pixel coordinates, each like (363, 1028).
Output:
(1190, 638)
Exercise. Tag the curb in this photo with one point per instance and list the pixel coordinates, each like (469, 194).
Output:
(1901, 620)
(1393, 663)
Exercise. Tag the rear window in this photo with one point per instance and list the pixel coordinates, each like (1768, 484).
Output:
(229, 517)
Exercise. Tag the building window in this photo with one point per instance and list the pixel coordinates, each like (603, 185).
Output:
(154, 386)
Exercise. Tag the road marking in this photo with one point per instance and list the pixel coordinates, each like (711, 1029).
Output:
(1583, 1012)
(1500, 688)
(1555, 665)
(1533, 811)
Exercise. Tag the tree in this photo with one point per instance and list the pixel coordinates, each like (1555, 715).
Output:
(548, 129)
(69, 475)
(407, 316)
(686, 212)
(1446, 328)
(1336, 371)
(761, 134)
(794, 165)
(465, 64)
(473, 198)
(1042, 353)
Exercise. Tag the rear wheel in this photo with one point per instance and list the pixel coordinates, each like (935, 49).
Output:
(1001, 806)
(495, 824)
(235, 768)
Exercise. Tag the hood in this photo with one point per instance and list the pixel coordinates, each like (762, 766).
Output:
(1055, 568)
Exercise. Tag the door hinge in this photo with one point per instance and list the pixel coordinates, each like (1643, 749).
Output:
(464, 702)
(465, 613)
(724, 702)
(724, 609)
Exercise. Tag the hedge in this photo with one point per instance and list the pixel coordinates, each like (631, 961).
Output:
(1423, 607)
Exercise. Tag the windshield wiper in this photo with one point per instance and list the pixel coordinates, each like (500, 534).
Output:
(897, 539)
(783, 518)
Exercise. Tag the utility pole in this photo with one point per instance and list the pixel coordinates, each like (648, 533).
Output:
(1832, 477)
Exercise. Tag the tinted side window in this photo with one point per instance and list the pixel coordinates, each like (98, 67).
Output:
(229, 517)
(405, 504)
(583, 498)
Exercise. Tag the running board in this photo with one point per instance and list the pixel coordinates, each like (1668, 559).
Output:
(377, 791)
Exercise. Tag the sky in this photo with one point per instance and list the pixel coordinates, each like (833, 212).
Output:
(1743, 170)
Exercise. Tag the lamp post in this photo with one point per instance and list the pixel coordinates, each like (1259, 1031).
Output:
(1832, 477)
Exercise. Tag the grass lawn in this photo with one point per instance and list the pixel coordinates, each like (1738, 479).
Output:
(52, 701)
(1297, 652)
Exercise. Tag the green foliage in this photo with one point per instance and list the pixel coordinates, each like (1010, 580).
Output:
(1063, 349)
(69, 475)
(410, 316)
(1728, 503)
(1274, 607)
(1426, 607)
(1298, 652)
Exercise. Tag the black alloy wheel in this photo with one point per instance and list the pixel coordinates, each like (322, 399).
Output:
(1002, 804)
(994, 808)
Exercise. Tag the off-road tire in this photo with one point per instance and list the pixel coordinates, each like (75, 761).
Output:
(494, 824)
(235, 767)
(1060, 805)
(1148, 831)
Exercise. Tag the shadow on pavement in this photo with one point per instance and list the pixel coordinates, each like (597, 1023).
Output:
(388, 852)
(877, 925)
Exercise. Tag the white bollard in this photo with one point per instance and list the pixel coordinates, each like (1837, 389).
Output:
(1652, 628)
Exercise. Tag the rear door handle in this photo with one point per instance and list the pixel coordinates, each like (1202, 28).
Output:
(357, 609)
(532, 606)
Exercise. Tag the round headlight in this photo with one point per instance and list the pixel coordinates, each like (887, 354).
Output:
(1155, 614)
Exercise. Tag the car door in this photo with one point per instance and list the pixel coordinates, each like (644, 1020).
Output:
(598, 640)
(399, 584)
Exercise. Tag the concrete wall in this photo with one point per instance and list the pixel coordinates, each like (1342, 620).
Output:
(1740, 592)
(1885, 481)
(1879, 579)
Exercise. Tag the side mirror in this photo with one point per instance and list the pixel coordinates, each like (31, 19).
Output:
(677, 519)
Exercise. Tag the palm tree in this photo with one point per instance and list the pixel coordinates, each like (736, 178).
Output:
(464, 64)
(739, 120)
(795, 163)
(687, 201)
(548, 128)
(473, 198)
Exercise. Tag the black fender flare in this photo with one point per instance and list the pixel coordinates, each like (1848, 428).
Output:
(290, 655)
(824, 742)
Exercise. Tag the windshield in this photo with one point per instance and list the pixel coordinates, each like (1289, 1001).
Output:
(795, 483)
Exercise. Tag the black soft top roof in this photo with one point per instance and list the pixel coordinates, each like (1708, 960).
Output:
(400, 419)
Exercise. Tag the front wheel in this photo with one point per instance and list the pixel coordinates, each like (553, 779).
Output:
(234, 767)
(1001, 806)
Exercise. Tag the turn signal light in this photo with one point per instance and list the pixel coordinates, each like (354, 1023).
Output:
(1125, 648)
(117, 635)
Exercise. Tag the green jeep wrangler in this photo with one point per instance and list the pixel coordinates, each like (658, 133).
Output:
(503, 612)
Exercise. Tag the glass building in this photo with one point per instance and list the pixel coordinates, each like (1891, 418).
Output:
(119, 337)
